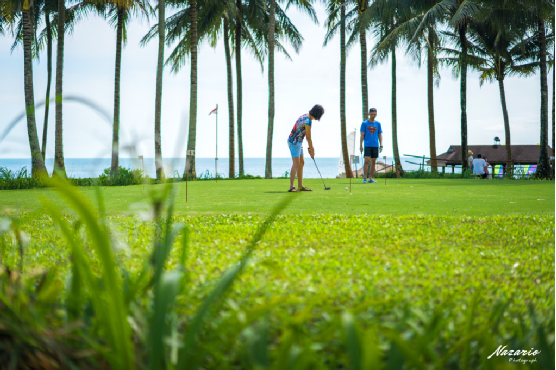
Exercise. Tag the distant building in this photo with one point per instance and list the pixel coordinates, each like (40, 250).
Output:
(495, 155)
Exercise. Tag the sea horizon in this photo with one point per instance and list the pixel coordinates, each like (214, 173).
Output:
(205, 167)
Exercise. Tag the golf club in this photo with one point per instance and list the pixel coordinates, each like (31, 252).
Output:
(325, 188)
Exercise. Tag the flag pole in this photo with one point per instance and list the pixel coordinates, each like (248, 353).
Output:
(216, 158)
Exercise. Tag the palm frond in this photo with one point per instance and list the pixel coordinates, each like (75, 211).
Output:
(468, 10)
(305, 7)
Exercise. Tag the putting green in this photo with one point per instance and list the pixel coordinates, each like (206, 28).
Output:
(467, 197)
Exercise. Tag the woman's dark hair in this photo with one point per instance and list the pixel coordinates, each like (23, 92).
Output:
(317, 111)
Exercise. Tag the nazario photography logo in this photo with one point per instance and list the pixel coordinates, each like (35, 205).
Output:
(526, 355)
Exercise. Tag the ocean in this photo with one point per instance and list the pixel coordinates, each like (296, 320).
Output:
(174, 167)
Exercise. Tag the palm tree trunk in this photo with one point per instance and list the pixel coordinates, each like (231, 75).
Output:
(116, 128)
(190, 159)
(506, 124)
(543, 169)
(239, 95)
(553, 111)
(37, 161)
(59, 167)
(49, 81)
(364, 88)
(430, 99)
(463, 96)
(399, 169)
(158, 99)
(231, 126)
(268, 168)
(345, 153)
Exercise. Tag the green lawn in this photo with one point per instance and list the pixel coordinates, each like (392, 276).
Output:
(398, 197)
(407, 257)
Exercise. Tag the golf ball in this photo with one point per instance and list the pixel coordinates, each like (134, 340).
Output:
(346, 188)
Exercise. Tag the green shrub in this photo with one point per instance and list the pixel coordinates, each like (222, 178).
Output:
(82, 181)
(246, 177)
(123, 177)
(21, 179)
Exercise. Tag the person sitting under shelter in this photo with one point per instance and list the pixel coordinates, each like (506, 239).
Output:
(480, 167)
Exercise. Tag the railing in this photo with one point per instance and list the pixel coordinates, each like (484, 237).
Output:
(515, 172)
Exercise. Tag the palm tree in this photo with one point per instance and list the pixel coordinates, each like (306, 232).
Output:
(543, 14)
(227, 8)
(539, 16)
(239, 95)
(48, 32)
(48, 7)
(497, 51)
(432, 43)
(272, 21)
(119, 13)
(362, 6)
(37, 161)
(231, 125)
(337, 8)
(212, 16)
(158, 97)
(553, 101)
(59, 167)
(389, 16)
(426, 41)
(64, 20)
(179, 27)
(27, 12)
(191, 141)
(345, 153)
(459, 14)
(358, 22)
(543, 167)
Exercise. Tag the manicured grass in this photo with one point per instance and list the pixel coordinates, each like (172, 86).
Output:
(445, 269)
(392, 272)
(397, 197)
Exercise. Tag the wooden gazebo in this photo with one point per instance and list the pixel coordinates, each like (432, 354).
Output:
(495, 155)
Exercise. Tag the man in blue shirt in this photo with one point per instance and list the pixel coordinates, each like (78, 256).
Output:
(371, 133)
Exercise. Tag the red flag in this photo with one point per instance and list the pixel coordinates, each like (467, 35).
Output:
(213, 111)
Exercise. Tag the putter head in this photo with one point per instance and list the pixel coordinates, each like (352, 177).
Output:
(325, 188)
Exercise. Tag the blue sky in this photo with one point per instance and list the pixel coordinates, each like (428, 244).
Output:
(311, 77)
